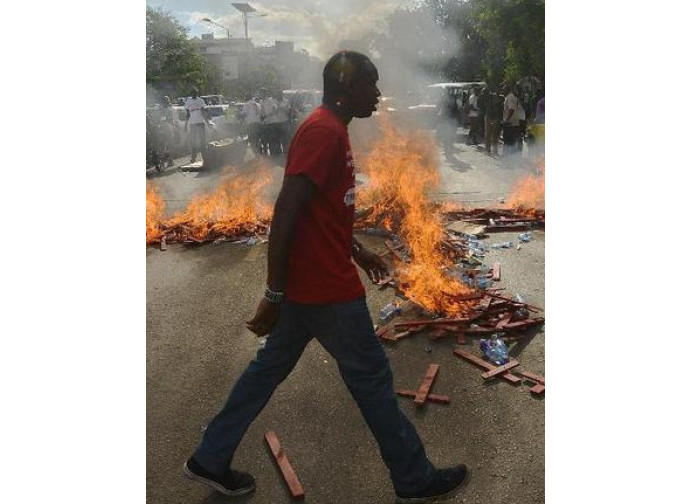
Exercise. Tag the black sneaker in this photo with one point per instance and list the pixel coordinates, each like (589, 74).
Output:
(230, 483)
(446, 483)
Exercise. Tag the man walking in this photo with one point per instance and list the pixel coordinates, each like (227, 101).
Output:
(314, 291)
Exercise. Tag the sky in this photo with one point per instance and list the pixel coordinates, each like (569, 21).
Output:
(314, 25)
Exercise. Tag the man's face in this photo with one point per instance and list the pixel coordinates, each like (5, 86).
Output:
(365, 93)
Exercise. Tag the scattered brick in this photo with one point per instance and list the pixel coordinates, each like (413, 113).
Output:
(289, 474)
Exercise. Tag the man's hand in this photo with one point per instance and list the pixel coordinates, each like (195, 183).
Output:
(374, 266)
(265, 318)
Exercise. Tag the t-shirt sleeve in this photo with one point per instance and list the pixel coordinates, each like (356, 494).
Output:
(315, 154)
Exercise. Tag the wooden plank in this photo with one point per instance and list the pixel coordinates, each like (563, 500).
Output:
(437, 398)
(433, 322)
(425, 386)
(289, 474)
(496, 272)
(505, 320)
(528, 306)
(500, 369)
(482, 363)
(538, 389)
(533, 377)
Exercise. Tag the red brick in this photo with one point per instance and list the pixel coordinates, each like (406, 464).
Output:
(437, 398)
(482, 363)
(501, 369)
(426, 384)
(289, 474)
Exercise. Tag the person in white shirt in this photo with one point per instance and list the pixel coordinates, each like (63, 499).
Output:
(196, 118)
(522, 122)
(473, 116)
(269, 106)
(511, 121)
(251, 116)
(277, 116)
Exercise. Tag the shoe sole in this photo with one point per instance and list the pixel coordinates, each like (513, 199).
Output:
(436, 498)
(217, 486)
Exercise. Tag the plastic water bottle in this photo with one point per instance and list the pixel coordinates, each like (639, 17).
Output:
(483, 282)
(507, 244)
(261, 342)
(494, 349)
(388, 312)
(522, 312)
(525, 237)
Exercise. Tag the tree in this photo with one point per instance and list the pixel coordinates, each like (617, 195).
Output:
(468, 40)
(172, 64)
(513, 31)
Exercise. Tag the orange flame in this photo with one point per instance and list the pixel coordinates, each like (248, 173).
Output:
(155, 208)
(236, 203)
(529, 192)
(402, 169)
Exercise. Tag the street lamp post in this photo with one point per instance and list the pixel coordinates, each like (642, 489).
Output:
(227, 30)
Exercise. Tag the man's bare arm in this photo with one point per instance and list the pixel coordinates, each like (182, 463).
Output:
(296, 192)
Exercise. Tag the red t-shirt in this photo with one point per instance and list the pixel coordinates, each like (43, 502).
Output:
(321, 270)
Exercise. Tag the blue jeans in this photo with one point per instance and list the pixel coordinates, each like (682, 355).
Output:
(346, 331)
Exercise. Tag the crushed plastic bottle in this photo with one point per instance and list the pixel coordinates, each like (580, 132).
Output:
(261, 342)
(389, 311)
(507, 244)
(525, 237)
(494, 349)
(522, 312)
(483, 282)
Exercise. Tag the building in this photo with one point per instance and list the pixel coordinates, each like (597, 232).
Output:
(237, 57)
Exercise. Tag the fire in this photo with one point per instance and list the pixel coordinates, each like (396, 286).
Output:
(155, 208)
(402, 169)
(529, 192)
(236, 206)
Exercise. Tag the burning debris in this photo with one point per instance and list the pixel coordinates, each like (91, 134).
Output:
(235, 211)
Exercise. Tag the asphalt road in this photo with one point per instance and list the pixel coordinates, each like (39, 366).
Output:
(197, 346)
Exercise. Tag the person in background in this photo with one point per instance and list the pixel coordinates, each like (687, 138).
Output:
(196, 124)
(473, 114)
(282, 124)
(539, 112)
(268, 106)
(482, 104)
(314, 292)
(522, 122)
(276, 116)
(510, 119)
(251, 117)
(493, 122)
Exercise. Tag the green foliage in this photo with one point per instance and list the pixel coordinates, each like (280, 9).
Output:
(492, 40)
(172, 64)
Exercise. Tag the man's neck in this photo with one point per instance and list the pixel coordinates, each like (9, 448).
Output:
(342, 114)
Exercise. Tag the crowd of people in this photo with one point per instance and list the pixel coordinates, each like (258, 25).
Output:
(268, 119)
(496, 115)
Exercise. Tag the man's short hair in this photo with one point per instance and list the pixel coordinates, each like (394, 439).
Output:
(341, 70)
